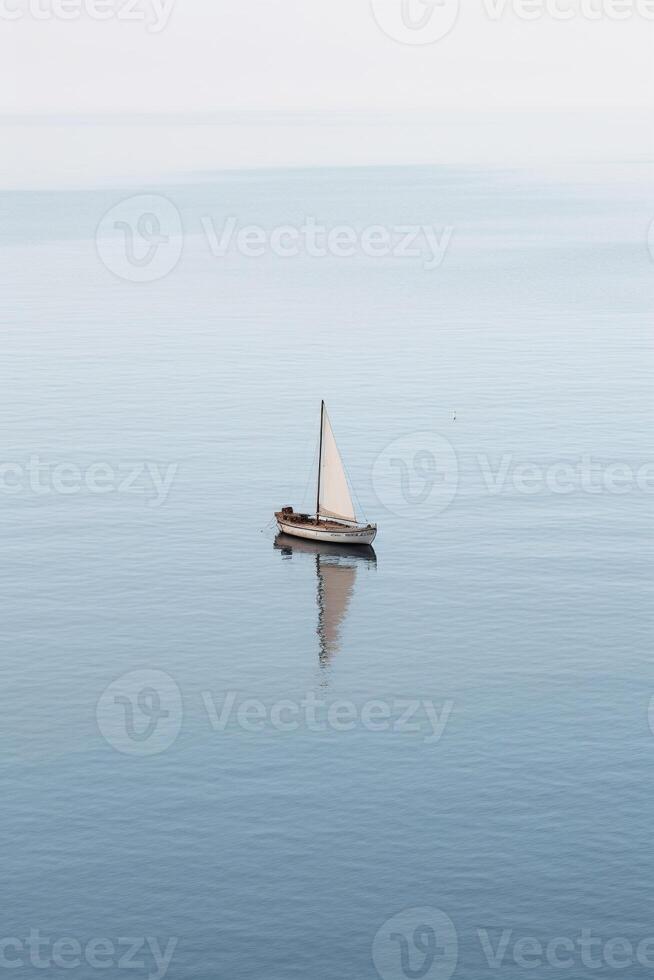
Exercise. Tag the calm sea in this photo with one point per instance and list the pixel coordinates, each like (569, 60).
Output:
(255, 754)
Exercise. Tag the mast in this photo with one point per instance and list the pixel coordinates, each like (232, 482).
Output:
(322, 412)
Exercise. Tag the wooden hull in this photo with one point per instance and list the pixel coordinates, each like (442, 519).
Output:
(344, 535)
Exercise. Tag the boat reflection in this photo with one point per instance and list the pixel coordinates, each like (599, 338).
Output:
(336, 572)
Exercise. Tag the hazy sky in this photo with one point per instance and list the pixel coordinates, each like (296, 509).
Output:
(316, 54)
(350, 56)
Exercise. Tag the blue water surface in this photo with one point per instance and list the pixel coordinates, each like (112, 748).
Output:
(524, 616)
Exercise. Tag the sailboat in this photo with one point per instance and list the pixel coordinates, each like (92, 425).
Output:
(335, 518)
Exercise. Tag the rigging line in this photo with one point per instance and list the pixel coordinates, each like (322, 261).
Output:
(352, 490)
(359, 504)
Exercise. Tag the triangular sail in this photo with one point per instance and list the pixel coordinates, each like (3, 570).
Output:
(334, 498)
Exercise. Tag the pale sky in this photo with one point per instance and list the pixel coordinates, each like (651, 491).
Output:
(320, 55)
(316, 54)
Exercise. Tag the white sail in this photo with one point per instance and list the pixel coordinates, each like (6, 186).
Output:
(334, 498)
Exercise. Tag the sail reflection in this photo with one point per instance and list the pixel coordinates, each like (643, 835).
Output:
(336, 572)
